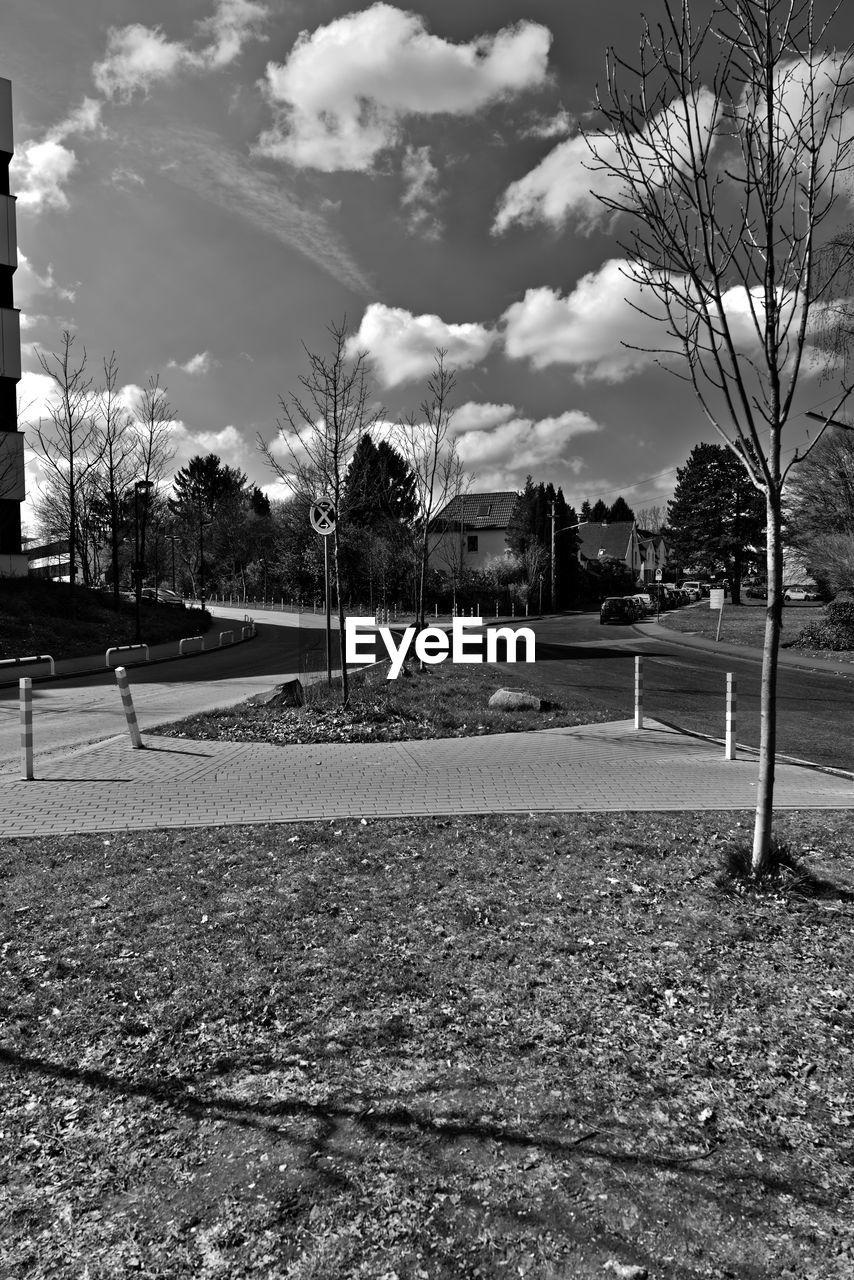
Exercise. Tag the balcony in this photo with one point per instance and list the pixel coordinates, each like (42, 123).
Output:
(8, 233)
(10, 343)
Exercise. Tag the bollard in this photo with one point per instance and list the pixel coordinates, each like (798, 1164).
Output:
(638, 692)
(435, 610)
(25, 694)
(730, 749)
(127, 703)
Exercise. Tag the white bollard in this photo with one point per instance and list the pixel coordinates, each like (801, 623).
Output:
(730, 749)
(127, 703)
(638, 692)
(25, 694)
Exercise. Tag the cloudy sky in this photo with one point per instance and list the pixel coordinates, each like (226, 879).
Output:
(204, 186)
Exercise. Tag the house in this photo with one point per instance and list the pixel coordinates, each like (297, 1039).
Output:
(617, 541)
(641, 552)
(653, 551)
(470, 529)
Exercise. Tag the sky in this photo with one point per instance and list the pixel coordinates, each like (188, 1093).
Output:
(205, 186)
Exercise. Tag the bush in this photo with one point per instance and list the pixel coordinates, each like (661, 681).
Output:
(835, 631)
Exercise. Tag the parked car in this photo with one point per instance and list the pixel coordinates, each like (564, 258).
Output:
(756, 590)
(801, 592)
(694, 589)
(644, 603)
(617, 609)
(162, 595)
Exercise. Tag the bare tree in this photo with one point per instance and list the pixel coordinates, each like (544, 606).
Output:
(113, 423)
(319, 429)
(727, 186)
(651, 519)
(431, 453)
(153, 452)
(820, 511)
(66, 441)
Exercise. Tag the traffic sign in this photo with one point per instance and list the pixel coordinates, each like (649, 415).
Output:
(658, 575)
(322, 516)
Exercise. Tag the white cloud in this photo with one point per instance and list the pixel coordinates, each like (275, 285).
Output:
(421, 193)
(203, 362)
(37, 394)
(30, 284)
(568, 181)
(137, 57)
(41, 169)
(611, 327)
(501, 455)
(403, 346)
(586, 328)
(472, 416)
(340, 97)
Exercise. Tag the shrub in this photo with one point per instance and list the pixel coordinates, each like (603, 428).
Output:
(835, 630)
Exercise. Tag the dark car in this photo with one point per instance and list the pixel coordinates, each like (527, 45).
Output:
(617, 609)
(162, 595)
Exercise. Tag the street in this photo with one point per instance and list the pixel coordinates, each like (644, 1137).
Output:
(687, 688)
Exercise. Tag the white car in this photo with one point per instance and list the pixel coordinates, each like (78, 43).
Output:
(644, 602)
(801, 593)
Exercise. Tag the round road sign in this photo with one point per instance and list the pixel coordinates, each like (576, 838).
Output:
(322, 516)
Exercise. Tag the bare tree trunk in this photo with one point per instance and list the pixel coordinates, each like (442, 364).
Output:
(768, 688)
(345, 682)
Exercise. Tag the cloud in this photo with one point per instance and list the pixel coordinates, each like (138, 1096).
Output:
(201, 363)
(42, 169)
(421, 194)
(570, 179)
(586, 328)
(608, 308)
(37, 394)
(501, 455)
(472, 416)
(342, 94)
(200, 160)
(29, 284)
(403, 346)
(137, 57)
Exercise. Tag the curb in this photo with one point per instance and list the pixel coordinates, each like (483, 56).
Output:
(747, 653)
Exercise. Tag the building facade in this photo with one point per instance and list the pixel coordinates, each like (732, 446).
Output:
(470, 530)
(13, 562)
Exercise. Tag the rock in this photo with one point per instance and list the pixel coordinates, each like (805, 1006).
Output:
(513, 700)
(626, 1271)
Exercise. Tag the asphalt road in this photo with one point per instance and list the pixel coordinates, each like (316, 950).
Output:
(682, 687)
(687, 688)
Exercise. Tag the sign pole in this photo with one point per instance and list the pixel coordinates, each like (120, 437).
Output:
(720, 620)
(328, 612)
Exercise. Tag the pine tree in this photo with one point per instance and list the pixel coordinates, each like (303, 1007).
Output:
(620, 511)
(717, 517)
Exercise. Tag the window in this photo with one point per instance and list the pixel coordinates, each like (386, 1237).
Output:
(484, 510)
(472, 542)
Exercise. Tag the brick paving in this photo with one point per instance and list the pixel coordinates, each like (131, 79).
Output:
(176, 782)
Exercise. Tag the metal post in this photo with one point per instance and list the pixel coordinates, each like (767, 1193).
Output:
(127, 703)
(638, 692)
(25, 694)
(136, 573)
(328, 612)
(730, 750)
(720, 620)
(552, 600)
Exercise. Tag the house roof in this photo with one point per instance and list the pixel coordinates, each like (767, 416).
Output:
(479, 510)
(597, 540)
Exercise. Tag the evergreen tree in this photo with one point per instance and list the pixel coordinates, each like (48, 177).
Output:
(717, 517)
(520, 527)
(620, 511)
(600, 512)
(586, 511)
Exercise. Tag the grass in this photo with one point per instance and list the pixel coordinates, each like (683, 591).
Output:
(442, 701)
(746, 624)
(433, 1049)
(41, 616)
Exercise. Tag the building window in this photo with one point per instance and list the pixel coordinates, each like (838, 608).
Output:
(472, 542)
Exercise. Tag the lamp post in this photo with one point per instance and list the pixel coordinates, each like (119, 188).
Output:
(141, 486)
(173, 538)
(203, 524)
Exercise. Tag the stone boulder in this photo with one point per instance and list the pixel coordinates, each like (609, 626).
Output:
(514, 700)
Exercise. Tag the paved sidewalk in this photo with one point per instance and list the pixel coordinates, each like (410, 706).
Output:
(177, 782)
